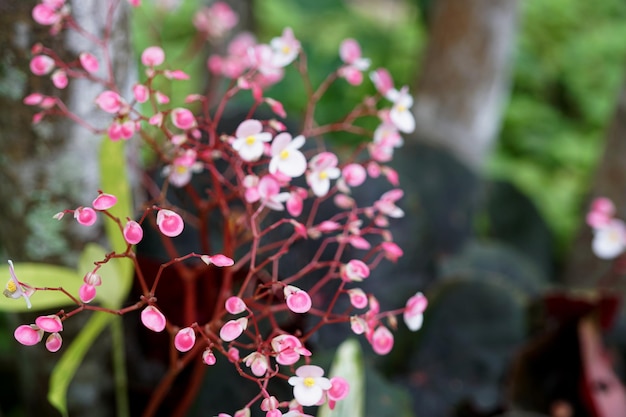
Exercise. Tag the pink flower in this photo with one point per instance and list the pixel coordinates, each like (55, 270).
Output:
(294, 202)
(87, 293)
(601, 212)
(309, 384)
(215, 21)
(89, 62)
(46, 15)
(381, 340)
(85, 216)
(28, 335)
(285, 49)
(104, 201)
(250, 139)
(59, 79)
(208, 357)
(358, 298)
(257, 363)
(350, 53)
(183, 118)
(382, 81)
(387, 203)
(92, 278)
(358, 325)
(340, 388)
(41, 65)
(152, 56)
(413, 312)
(269, 193)
(121, 129)
(54, 342)
(217, 260)
(133, 233)
(235, 305)
(355, 270)
(288, 349)
(141, 93)
(297, 300)
(286, 156)
(232, 329)
(170, 223)
(185, 339)
(392, 251)
(15, 289)
(323, 168)
(354, 174)
(110, 101)
(50, 324)
(153, 319)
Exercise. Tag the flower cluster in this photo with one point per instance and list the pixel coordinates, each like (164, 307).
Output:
(609, 233)
(267, 185)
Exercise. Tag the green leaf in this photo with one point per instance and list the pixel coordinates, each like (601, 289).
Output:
(114, 180)
(348, 364)
(65, 369)
(43, 275)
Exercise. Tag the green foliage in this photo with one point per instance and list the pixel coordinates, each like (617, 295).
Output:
(567, 74)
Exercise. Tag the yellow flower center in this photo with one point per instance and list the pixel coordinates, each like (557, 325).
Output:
(11, 287)
(250, 140)
(309, 382)
(401, 108)
(181, 169)
(323, 175)
(284, 154)
(286, 49)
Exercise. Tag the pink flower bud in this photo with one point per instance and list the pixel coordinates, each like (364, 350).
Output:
(141, 93)
(257, 363)
(358, 325)
(28, 335)
(343, 201)
(413, 313)
(339, 388)
(354, 174)
(85, 216)
(373, 169)
(297, 300)
(152, 56)
(233, 354)
(59, 79)
(349, 51)
(91, 278)
(185, 339)
(153, 319)
(169, 223)
(392, 176)
(357, 298)
(89, 62)
(133, 233)
(45, 15)
(104, 201)
(269, 403)
(176, 75)
(359, 242)
(50, 324)
(156, 120)
(208, 357)
(32, 99)
(355, 270)
(87, 293)
(183, 118)
(392, 251)
(217, 260)
(109, 101)
(232, 329)
(54, 342)
(161, 98)
(235, 305)
(328, 226)
(382, 340)
(277, 107)
(41, 65)
(382, 81)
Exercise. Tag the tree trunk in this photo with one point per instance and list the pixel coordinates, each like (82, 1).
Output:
(46, 168)
(464, 81)
(583, 268)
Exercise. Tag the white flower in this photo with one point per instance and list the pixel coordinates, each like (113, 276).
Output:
(323, 168)
(309, 384)
(609, 241)
(286, 157)
(400, 113)
(249, 140)
(285, 48)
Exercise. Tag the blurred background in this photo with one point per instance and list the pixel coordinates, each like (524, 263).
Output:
(521, 121)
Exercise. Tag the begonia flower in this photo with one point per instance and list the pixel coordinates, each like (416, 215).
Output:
(153, 319)
(41, 65)
(182, 168)
(382, 340)
(152, 56)
(285, 48)
(323, 168)
(51, 323)
(208, 357)
(309, 384)
(400, 113)
(28, 335)
(54, 342)
(350, 54)
(235, 305)
(413, 312)
(183, 118)
(609, 241)
(89, 62)
(355, 270)
(170, 223)
(358, 298)
(217, 260)
(250, 139)
(257, 363)
(87, 293)
(85, 216)
(232, 329)
(133, 233)
(298, 301)
(288, 349)
(104, 201)
(286, 156)
(185, 339)
(14, 289)
(269, 193)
